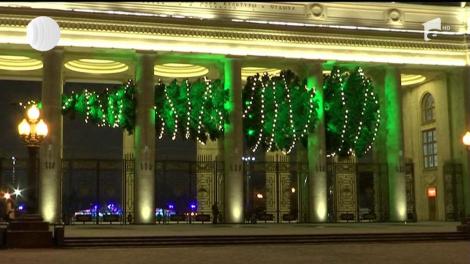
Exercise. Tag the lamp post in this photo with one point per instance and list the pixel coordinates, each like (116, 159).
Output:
(466, 140)
(465, 226)
(33, 131)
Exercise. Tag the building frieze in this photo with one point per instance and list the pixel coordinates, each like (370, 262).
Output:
(231, 33)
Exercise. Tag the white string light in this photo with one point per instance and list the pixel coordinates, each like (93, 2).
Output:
(162, 131)
(188, 120)
(260, 134)
(291, 118)
(276, 106)
(173, 109)
(208, 86)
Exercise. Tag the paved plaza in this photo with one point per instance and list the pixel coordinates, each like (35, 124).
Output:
(116, 230)
(409, 253)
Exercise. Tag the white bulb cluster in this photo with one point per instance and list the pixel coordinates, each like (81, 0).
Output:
(162, 130)
(207, 90)
(175, 113)
(276, 107)
(291, 117)
(260, 134)
(253, 88)
(87, 100)
(188, 120)
(310, 111)
(364, 105)
(377, 123)
(94, 106)
(346, 113)
(268, 135)
(369, 98)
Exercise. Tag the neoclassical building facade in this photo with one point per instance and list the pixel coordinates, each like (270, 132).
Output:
(423, 86)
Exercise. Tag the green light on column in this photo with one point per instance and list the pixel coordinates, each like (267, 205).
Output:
(393, 131)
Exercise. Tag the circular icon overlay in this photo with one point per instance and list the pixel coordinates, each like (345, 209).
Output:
(43, 33)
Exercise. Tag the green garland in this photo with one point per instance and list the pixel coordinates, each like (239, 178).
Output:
(278, 112)
(112, 108)
(352, 114)
(192, 110)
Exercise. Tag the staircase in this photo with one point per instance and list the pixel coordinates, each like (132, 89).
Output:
(28, 231)
(74, 242)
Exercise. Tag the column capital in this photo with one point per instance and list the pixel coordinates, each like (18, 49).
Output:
(309, 63)
(234, 57)
(145, 54)
(390, 66)
(55, 49)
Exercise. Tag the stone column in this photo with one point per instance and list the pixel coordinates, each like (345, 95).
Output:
(233, 144)
(392, 127)
(144, 140)
(317, 181)
(51, 149)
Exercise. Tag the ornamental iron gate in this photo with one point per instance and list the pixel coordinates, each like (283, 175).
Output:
(187, 190)
(410, 193)
(453, 192)
(92, 191)
(355, 191)
(272, 190)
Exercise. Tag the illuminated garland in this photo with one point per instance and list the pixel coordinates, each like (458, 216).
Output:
(352, 114)
(194, 110)
(112, 108)
(278, 111)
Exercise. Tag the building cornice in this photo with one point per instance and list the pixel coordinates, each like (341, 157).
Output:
(235, 38)
(378, 14)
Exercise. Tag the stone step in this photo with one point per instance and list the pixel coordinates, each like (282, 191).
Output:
(28, 239)
(260, 239)
(29, 217)
(464, 228)
(29, 225)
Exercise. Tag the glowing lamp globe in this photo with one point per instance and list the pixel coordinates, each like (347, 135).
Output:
(41, 128)
(24, 128)
(33, 113)
(43, 33)
(466, 139)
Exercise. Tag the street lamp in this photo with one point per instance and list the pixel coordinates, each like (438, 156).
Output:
(466, 140)
(32, 130)
(465, 227)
